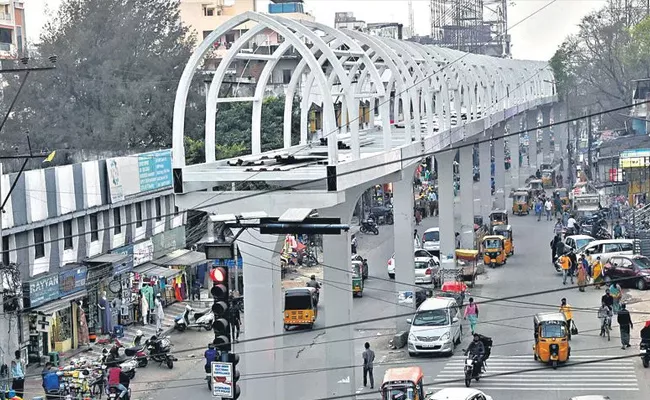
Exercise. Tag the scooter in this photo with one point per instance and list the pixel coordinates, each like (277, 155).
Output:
(159, 350)
(473, 369)
(191, 319)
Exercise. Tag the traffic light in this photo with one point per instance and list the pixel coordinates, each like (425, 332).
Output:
(234, 360)
(220, 308)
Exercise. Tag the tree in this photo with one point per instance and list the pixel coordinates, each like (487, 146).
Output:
(119, 62)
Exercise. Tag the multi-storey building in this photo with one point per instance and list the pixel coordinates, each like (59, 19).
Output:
(79, 241)
(12, 29)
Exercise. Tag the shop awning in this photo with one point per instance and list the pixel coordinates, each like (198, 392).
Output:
(60, 304)
(150, 269)
(181, 257)
(108, 258)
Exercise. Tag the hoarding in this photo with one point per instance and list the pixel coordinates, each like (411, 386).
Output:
(135, 174)
(222, 384)
(155, 170)
(634, 158)
(72, 280)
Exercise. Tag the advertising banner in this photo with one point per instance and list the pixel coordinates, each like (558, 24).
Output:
(135, 174)
(72, 280)
(142, 252)
(222, 384)
(127, 264)
(155, 170)
(167, 241)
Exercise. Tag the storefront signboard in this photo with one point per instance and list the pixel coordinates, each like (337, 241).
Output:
(43, 290)
(98, 273)
(72, 280)
(167, 241)
(155, 170)
(125, 265)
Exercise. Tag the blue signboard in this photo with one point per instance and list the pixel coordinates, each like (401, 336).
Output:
(72, 280)
(155, 170)
(230, 263)
(43, 290)
(127, 264)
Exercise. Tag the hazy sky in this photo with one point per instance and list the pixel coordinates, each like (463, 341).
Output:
(535, 39)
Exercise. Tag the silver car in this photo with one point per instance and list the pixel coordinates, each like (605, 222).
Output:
(426, 270)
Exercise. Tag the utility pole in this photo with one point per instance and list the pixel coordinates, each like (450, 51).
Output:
(589, 143)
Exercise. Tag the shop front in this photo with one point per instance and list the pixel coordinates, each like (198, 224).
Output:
(193, 266)
(108, 283)
(55, 314)
(151, 279)
(140, 253)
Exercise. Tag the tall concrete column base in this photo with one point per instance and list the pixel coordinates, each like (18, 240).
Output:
(531, 127)
(512, 126)
(264, 313)
(466, 159)
(485, 186)
(547, 156)
(446, 203)
(499, 171)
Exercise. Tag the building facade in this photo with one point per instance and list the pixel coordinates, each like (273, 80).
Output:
(12, 29)
(73, 238)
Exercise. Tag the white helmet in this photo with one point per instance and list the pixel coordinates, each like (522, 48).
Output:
(139, 333)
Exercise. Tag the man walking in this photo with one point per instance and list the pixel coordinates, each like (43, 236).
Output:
(568, 314)
(160, 314)
(565, 263)
(368, 359)
(548, 207)
(625, 324)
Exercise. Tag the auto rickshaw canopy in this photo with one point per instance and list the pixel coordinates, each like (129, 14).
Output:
(520, 196)
(553, 324)
(466, 254)
(503, 230)
(493, 242)
(403, 375)
(499, 216)
(536, 184)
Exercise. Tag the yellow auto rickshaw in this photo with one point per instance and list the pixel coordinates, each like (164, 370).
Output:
(498, 217)
(506, 232)
(494, 252)
(551, 338)
(563, 194)
(520, 203)
(536, 187)
(403, 383)
(548, 178)
(357, 279)
(300, 307)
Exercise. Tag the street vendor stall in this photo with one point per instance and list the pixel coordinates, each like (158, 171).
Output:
(466, 265)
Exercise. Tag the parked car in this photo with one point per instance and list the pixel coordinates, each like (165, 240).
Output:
(608, 248)
(431, 241)
(426, 270)
(417, 254)
(629, 271)
(459, 394)
(575, 242)
(435, 327)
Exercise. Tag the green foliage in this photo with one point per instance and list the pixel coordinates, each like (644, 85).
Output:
(119, 62)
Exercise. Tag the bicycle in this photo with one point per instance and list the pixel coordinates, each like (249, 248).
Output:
(605, 327)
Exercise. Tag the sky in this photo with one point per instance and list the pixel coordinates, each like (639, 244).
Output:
(536, 38)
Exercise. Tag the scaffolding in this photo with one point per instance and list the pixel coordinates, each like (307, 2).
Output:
(474, 26)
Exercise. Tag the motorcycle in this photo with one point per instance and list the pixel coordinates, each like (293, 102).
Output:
(369, 226)
(159, 350)
(473, 369)
(645, 354)
(114, 393)
(191, 319)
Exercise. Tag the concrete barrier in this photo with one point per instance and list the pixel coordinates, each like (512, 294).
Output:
(400, 340)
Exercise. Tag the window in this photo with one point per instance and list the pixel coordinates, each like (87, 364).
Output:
(176, 211)
(611, 248)
(39, 243)
(431, 236)
(286, 76)
(206, 34)
(138, 215)
(627, 247)
(117, 221)
(230, 37)
(67, 234)
(94, 228)
(437, 317)
(158, 209)
(208, 11)
(624, 263)
(5, 251)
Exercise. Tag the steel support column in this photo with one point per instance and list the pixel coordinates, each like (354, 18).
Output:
(263, 316)
(485, 187)
(446, 202)
(466, 168)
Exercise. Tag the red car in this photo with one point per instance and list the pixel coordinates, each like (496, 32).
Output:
(628, 271)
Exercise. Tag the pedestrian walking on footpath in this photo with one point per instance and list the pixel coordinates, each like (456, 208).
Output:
(160, 314)
(368, 360)
(18, 374)
(471, 314)
(625, 325)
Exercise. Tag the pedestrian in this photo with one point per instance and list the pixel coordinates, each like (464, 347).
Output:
(18, 374)
(625, 324)
(538, 209)
(144, 309)
(617, 293)
(160, 314)
(196, 290)
(565, 218)
(368, 359)
(582, 277)
(457, 240)
(565, 263)
(597, 273)
(471, 314)
(568, 314)
(618, 231)
(235, 320)
(559, 227)
(557, 206)
(548, 207)
(585, 264)
(418, 217)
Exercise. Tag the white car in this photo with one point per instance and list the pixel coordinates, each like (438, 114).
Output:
(435, 327)
(431, 240)
(578, 241)
(607, 248)
(459, 394)
(417, 254)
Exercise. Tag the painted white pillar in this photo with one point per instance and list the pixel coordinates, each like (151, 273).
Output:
(531, 127)
(403, 232)
(485, 187)
(264, 313)
(547, 157)
(446, 202)
(335, 307)
(499, 168)
(466, 167)
(513, 125)
(563, 134)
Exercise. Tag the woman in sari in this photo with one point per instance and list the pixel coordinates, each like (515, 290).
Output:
(582, 277)
(597, 270)
(617, 294)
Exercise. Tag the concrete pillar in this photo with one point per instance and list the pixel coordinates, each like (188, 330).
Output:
(335, 307)
(563, 130)
(466, 196)
(485, 188)
(499, 169)
(264, 313)
(403, 230)
(446, 202)
(531, 127)
(512, 126)
(546, 135)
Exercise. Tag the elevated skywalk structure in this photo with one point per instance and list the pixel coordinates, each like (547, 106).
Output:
(423, 99)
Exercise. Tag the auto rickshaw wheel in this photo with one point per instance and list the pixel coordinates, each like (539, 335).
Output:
(286, 327)
(535, 356)
(310, 326)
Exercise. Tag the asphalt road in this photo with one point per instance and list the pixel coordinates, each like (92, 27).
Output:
(509, 323)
